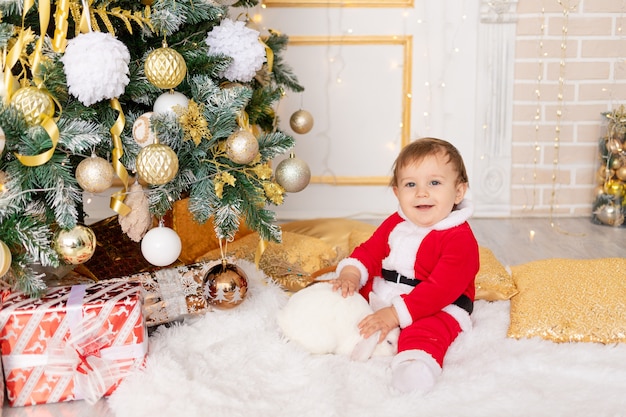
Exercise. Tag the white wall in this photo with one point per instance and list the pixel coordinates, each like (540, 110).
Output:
(358, 127)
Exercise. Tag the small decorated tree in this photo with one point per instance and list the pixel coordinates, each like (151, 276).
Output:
(609, 207)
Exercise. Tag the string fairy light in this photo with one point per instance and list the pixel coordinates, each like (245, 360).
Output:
(559, 115)
(538, 112)
(559, 112)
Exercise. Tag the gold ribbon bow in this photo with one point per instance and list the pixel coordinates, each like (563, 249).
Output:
(117, 199)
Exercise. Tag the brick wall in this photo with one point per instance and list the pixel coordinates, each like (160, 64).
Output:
(577, 73)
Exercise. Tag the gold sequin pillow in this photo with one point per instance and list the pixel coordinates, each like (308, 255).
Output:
(493, 282)
(337, 232)
(289, 263)
(569, 300)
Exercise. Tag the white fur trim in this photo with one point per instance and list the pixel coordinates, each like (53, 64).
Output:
(404, 241)
(404, 317)
(463, 212)
(460, 315)
(417, 355)
(356, 263)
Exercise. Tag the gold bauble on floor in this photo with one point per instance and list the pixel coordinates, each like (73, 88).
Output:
(225, 285)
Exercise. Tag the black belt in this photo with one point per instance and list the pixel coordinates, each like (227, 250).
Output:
(463, 301)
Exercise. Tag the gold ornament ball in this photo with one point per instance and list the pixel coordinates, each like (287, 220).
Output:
(242, 147)
(293, 174)
(614, 187)
(33, 103)
(5, 258)
(165, 68)
(301, 122)
(142, 132)
(94, 174)
(3, 140)
(614, 146)
(610, 214)
(621, 173)
(225, 285)
(615, 163)
(75, 246)
(156, 164)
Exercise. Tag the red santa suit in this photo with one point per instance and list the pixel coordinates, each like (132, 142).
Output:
(433, 271)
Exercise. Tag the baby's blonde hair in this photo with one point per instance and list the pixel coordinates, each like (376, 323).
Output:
(421, 148)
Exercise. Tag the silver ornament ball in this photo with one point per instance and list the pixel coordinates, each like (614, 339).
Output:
(293, 174)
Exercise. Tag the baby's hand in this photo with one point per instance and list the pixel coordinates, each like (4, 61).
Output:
(347, 281)
(385, 320)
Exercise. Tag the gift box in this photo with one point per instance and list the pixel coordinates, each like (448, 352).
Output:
(172, 293)
(169, 293)
(75, 342)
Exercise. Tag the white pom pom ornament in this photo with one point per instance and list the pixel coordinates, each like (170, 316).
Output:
(96, 67)
(242, 44)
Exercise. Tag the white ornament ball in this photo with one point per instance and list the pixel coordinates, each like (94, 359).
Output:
(293, 174)
(161, 246)
(3, 140)
(142, 133)
(94, 174)
(167, 101)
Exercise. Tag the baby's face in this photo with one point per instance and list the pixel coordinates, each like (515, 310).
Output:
(427, 190)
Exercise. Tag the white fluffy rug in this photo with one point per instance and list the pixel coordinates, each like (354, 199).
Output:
(235, 363)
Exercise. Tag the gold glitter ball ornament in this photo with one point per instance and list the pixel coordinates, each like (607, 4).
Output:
(33, 103)
(75, 246)
(225, 285)
(94, 174)
(293, 174)
(621, 173)
(5, 258)
(157, 164)
(165, 68)
(242, 147)
(301, 122)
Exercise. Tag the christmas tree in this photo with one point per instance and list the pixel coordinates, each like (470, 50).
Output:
(174, 97)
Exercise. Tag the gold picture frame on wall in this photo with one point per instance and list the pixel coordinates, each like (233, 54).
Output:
(338, 3)
(404, 41)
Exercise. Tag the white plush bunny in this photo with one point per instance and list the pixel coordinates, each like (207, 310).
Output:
(323, 321)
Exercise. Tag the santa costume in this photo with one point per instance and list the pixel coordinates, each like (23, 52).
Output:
(427, 274)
